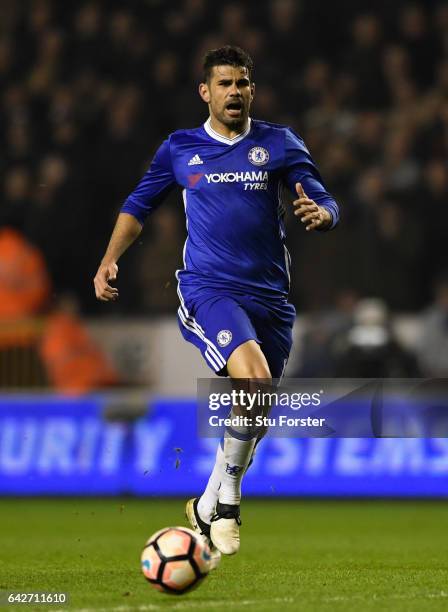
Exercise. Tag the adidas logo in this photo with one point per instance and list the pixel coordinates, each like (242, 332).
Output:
(194, 161)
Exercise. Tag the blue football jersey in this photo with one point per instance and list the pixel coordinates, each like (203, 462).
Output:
(232, 192)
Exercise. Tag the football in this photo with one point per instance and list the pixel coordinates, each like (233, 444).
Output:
(175, 560)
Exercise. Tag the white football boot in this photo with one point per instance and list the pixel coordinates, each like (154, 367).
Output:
(201, 527)
(225, 528)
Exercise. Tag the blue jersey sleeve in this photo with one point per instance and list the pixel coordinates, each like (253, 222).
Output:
(300, 168)
(153, 187)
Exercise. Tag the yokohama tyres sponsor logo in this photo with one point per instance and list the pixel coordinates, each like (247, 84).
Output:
(237, 177)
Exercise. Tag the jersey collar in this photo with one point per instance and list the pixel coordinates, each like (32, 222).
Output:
(230, 141)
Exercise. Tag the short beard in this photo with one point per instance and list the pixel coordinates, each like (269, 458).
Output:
(236, 123)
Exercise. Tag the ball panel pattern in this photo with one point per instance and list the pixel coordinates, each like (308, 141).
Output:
(150, 562)
(174, 542)
(177, 574)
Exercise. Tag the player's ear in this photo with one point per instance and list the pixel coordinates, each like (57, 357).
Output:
(252, 91)
(204, 92)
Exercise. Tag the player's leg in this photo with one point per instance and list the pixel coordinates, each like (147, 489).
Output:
(273, 324)
(255, 361)
(247, 366)
(217, 327)
(276, 351)
(245, 359)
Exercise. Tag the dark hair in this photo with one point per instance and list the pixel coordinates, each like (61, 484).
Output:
(226, 56)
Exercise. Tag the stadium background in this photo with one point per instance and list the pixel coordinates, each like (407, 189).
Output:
(88, 92)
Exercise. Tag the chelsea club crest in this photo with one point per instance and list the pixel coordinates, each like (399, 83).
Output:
(224, 337)
(258, 156)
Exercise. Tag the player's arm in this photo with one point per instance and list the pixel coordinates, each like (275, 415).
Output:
(147, 196)
(315, 207)
(126, 230)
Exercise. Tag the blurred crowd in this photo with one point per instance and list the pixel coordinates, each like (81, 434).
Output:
(90, 88)
(360, 338)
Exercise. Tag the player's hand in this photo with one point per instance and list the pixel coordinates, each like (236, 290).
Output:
(107, 272)
(311, 214)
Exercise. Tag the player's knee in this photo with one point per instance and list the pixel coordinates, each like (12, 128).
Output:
(261, 373)
(256, 372)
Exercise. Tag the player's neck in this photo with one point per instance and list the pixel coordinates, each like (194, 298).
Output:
(224, 130)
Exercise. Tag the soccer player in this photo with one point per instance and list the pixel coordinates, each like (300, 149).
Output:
(234, 286)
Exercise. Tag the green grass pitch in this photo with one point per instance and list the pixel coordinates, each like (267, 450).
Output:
(295, 555)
